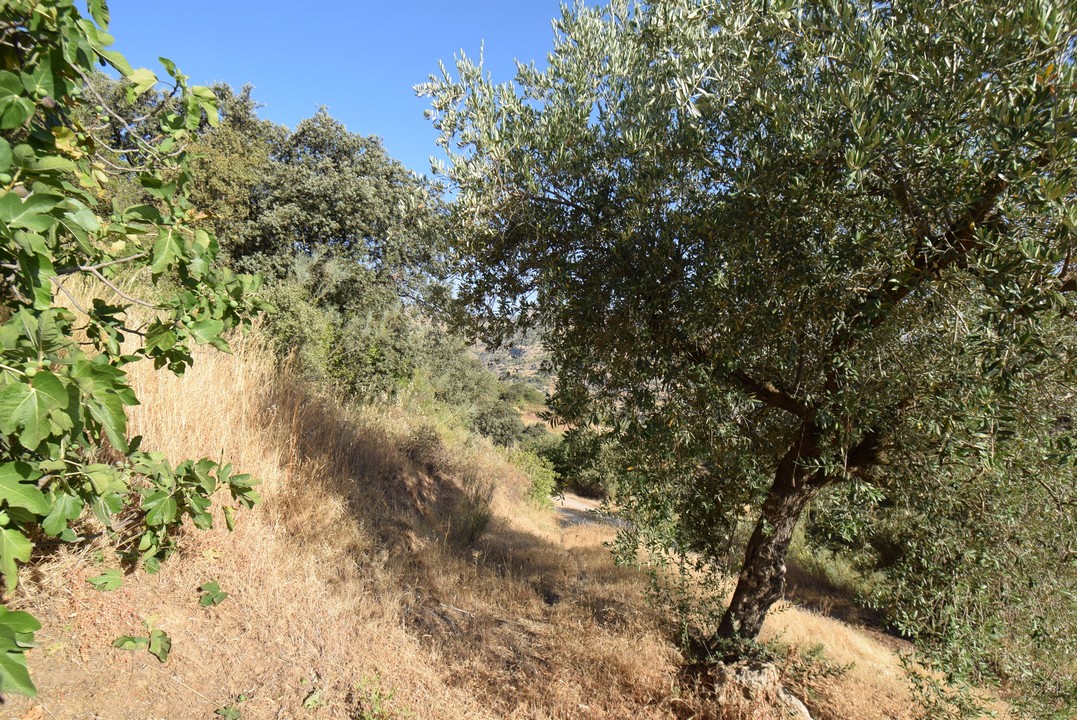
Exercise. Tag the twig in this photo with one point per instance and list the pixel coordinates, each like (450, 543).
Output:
(101, 266)
(70, 297)
(121, 293)
(450, 607)
(183, 684)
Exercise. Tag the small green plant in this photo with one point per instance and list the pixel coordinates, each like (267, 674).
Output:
(371, 701)
(107, 581)
(804, 668)
(158, 644)
(231, 711)
(211, 594)
(314, 700)
(542, 475)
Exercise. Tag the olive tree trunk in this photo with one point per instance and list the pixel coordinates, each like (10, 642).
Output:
(762, 576)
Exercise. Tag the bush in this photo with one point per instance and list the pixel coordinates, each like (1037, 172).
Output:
(522, 394)
(541, 473)
(538, 439)
(499, 421)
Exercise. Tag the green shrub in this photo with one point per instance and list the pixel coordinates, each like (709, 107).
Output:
(522, 394)
(538, 439)
(587, 462)
(541, 473)
(500, 421)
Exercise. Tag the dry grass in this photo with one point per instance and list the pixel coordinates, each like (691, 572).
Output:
(351, 570)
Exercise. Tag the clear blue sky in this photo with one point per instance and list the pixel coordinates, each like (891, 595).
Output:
(360, 58)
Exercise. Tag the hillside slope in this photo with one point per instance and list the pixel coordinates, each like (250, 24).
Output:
(361, 577)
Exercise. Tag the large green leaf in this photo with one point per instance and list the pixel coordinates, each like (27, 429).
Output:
(36, 276)
(29, 410)
(107, 581)
(99, 12)
(105, 506)
(130, 642)
(66, 507)
(166, 251)
(207, 330)
(28, 214)
(14, 108)
(160, 644)
(39, 81)
(18, 622)
(211, 594)
(107, 409)
(18, 488)
(14, 677)
(142, 80)
(14, 548)
(160, 508)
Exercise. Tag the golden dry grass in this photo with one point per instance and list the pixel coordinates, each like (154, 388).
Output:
(349, 572)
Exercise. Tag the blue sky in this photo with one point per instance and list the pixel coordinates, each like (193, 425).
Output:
(360, 59)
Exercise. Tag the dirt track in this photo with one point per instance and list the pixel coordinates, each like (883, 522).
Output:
(573, 509)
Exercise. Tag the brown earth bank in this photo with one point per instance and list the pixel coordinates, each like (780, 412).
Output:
(372, 584)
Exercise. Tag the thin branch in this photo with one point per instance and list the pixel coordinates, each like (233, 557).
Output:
(70, 297)
(103, 265)
(121, 293)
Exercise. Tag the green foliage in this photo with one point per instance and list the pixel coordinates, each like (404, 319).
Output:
(232, 711)
(211, 594)
(131, 642)
(372, 701)
(63, 399)
(456, 378)
(941, 696)
(230, 161)
(229, 712)
(348, 237)
(522, 394)
(804, 250)
(542, 475)
(314, 699)
(158, 644)
(538, 439)
(107, 581)
(500, 421)
(16, 637)
(588, 462)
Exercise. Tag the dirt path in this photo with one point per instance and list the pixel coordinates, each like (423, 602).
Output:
(574, 509)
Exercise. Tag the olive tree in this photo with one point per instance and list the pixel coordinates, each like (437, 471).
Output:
(787, 249)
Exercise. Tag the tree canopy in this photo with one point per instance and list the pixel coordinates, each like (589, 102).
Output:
(803, 253)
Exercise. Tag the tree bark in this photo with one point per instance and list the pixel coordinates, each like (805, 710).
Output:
(762, 576)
